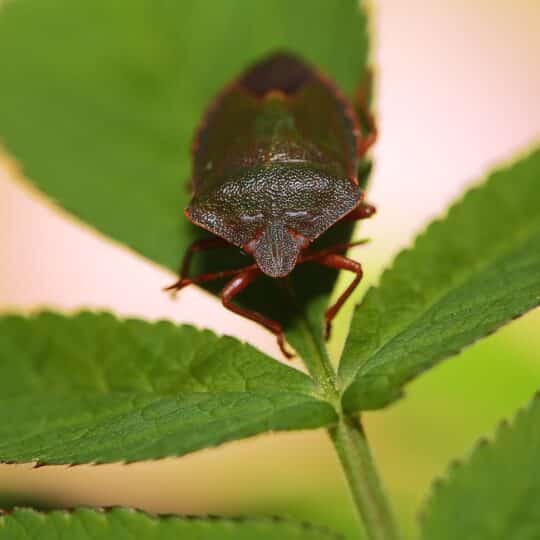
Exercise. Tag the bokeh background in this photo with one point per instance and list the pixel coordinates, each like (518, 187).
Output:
(458, 92)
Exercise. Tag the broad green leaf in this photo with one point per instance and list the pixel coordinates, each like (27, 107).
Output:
(494, 495)
(99, 101)
(469, 273)
(127, 524)
(95, 389)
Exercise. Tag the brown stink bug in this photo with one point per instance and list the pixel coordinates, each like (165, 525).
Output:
(275, 165)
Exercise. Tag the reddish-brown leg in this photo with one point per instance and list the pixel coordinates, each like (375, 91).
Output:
(366, 117)
(367, 141)
(197, 246)
(336, 248)
(211, 276)
(362, 211)
(339, 262)
(236, 286)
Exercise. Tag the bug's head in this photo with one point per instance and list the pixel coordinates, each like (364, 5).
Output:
(273, 213)
(276, 248)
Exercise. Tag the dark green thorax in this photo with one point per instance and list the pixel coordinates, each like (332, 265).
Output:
(275, 162)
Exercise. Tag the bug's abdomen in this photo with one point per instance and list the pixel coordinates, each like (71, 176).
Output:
(279, 111)
(280, 72)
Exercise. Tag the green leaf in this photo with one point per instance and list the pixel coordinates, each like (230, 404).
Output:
(496, 494)
(99, 101)
(127, 524)
(95, 389)
(468, 274)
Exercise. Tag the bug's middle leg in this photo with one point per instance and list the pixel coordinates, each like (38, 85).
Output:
(236, 286)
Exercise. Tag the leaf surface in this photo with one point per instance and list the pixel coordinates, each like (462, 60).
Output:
(99, 102)
(93, 388)
(495, 494)
(126, 524)
(469, 273)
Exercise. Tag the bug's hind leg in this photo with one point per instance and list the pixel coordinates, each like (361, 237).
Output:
(365, 116)
(362, 211)
(236, 286)
(339, 262)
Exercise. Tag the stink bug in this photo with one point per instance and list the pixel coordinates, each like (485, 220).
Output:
(275, 162)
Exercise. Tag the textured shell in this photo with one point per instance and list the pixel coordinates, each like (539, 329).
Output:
(275, 159)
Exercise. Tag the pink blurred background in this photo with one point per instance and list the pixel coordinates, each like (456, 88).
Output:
(458, 92)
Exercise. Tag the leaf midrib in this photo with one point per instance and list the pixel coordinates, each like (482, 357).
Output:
(241, 423)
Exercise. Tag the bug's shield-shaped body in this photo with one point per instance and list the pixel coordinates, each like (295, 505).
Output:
(275, 162)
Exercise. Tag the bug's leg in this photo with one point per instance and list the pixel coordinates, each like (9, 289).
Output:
(200, 245)
(197, 246)
(211, 276)
(316, 256)
(339, 262)
(368, 140)
(366, 117)
(236, 286)
(362, 211)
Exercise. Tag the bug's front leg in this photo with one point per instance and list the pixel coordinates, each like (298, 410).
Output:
(200, 245)
(236, 286)
(339, 262)
(197, 246)
(204, 278)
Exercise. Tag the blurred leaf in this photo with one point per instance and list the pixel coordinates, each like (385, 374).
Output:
(468, 274)
(99, 101)
(14, 499)
(496, 494)
(126, 524)
(95, 389)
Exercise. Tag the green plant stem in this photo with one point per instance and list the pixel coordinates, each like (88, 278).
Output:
(353, 452)
(347, 435)
(312, 349)
(319, 365)
(351, 446)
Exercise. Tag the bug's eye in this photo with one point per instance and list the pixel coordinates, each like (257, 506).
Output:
(251, 218)
(296, 214)
(300, 215)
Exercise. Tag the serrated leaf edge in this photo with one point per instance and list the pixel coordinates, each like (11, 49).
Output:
(484, 443)
(300, 525)
(34, 314)
(38, 311)
(502, 167)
